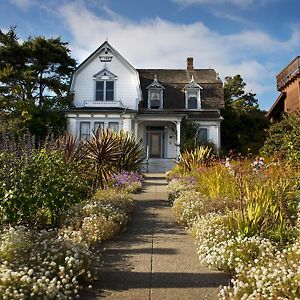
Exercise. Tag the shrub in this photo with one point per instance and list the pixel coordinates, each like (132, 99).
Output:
(276, 277)
(36, 189)
(132, 152)
(218, 182)
(43, 264)
(283, 139)
(101, 217)
(190, 205)
(218, 247)
(130, 182)
(194, 159)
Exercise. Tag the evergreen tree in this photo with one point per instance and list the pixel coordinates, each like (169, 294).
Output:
(244, 125)
(34, 81)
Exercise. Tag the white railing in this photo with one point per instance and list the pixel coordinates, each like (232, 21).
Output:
(103, 104)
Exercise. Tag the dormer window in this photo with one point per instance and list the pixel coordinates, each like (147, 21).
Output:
(105, 86)
(192, 95)
(192, 99)
(155, 95)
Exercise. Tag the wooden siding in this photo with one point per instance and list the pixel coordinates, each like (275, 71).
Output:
(292, 102)
(288, 73)
(127, 88)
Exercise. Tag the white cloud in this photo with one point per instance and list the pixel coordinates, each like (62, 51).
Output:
(238, 3)
(157, 43)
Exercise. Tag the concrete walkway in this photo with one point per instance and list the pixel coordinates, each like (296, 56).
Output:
(154, 258)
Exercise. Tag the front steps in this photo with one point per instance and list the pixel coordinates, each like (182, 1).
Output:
(158, 165)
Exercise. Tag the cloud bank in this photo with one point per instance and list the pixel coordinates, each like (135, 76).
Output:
(157, 43)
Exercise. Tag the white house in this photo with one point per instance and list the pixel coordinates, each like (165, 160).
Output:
(110, 93)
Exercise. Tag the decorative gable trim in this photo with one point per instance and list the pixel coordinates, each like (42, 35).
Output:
(192, 95)
(105, 75)
(155, 84)
(193, 85)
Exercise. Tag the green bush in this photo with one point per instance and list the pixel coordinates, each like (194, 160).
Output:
(283, 139)
(36, 189)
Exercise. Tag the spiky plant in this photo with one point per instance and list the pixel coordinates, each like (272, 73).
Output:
(102, 153)
(191, 160)
(71, 147)
(132, 152)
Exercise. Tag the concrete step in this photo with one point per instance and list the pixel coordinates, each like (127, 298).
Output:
(158, 165)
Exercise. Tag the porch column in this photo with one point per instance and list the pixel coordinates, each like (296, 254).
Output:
(178, 139)
(136, 124)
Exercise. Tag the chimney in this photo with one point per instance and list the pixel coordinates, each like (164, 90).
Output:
(189, 64)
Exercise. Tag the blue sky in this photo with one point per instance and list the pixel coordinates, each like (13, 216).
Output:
(254, 38)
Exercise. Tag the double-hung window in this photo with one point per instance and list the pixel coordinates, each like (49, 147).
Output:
(192, 99)
(155, 98)
(84, 130)
(105, 90)
(113, 126)
(203, 135)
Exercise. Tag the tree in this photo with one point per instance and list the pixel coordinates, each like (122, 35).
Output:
(244, 125)
(283, 139)
(34, 81)
(235, 97)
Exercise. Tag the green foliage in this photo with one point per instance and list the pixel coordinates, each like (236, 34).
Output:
(34, 77)
(268, 210)
(191, 160)
(132, 152)
(38, 188)
(102, 154)
(241, 114)
(189, 141)
(109, 153)
(217, 182)
(283, 139)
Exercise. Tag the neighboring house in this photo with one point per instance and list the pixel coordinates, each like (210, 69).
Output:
(288, 84)
(110, 93)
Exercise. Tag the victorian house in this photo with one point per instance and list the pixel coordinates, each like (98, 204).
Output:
(151, 103)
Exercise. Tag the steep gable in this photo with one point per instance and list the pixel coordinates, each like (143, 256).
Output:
(106, 60)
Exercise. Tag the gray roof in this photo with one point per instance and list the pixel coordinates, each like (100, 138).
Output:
(174, 81)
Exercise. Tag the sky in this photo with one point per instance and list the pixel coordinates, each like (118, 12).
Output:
(253, 38)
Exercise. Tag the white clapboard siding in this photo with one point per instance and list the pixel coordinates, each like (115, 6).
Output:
(127, 83)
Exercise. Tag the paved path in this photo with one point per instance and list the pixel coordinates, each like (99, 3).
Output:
(154, 259)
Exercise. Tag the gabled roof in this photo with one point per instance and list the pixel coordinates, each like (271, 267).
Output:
(105, 45)
(193, 85)
(155, 84)
(174, 81)
(278, 107)
(104, 72)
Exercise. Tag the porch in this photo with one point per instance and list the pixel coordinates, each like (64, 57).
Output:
(161, 137)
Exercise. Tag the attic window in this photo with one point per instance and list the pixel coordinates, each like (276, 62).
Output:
(105, 86)
(104, 90)
(192, 99)
(192, 95)
(155, 95)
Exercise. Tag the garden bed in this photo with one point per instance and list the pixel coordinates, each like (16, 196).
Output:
(245, 222)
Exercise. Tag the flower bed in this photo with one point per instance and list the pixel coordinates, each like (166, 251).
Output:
(245, 222)
(131, 182)
(56, 264)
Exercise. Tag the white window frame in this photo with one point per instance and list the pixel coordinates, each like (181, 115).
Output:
(187, 93)
(104, 90)
(155, 90)
(207, 134)
(88, 135)
(115, 123)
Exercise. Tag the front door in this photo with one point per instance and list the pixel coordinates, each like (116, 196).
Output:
(155, 144)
